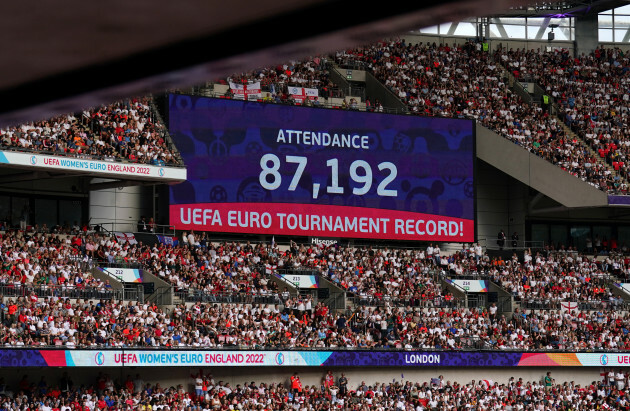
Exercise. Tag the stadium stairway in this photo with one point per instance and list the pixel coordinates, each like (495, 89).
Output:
(510, 158)
(495, 294)
(374, 89)
(331, 295)
(284, 285)
(619, 290)
(516, 87)
(617, 286)
(157, 117)
(600, 160)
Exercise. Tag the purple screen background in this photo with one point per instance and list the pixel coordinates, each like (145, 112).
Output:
(222, 141)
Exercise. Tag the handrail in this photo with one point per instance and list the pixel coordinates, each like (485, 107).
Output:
(119, 264)
(202, 296)
(160, 229)
(164, 131)
(586, 305)
(319, 104)
(436, 302)
(87, 293)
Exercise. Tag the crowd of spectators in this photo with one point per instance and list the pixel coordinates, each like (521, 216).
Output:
(132, 393)
(298, 323)
(63, 262)
(122, 131)
(275, 81)
(464, 81)
(46, 261)
(402, 275)
(554, 279)
(571, 329)
(548, 278)
(198, 265)
(201, 269)
(459, 328)
(593, 92)
(202, 266)
(399, 301)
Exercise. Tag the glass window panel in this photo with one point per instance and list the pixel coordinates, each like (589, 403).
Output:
(562, 22)
(579, 234)
(623, 9)
(622, 22)
(624, 236)
(466, 29)
(606, 12)
(601, 235)
(510, 20)
(70, 212)
(560, 34)
(20, 211)
(515, 32)
(444, 28)
(605, 22)
(558, 234)
(540, 233)
(45, 212)
(535, 22)
(620, 34)
(494, 32)
(430, 30)
(5, 208)
(605, 35)
(532, 31)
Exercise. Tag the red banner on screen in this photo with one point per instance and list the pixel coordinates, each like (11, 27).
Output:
(319, 220)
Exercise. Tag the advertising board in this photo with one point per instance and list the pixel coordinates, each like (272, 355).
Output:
(273, 169)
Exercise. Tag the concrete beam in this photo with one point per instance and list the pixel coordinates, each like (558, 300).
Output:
(536, 172)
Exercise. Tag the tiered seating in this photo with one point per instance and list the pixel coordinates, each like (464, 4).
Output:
(404, 276)
(298, 324)
(592, 91)
(47, 262)
(124, 131)
(340, 393)
(551, 280)
(463, 81)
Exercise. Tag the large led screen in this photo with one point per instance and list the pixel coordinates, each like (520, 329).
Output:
(286, 170)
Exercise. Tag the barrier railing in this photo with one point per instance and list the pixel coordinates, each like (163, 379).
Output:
(126, 226)
(438, 302)
(166, 136)
(592, 305)
(227, 298)
(319, 104)
(87, 293)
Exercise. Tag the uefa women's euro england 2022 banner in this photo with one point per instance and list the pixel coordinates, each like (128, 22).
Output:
(274, 169)
(187, 358)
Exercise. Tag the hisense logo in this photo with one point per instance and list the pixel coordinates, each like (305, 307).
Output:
(319, 241)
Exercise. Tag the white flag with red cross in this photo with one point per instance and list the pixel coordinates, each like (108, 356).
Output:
(250, 91)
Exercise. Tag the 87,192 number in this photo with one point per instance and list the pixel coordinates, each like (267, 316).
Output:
(360, 172)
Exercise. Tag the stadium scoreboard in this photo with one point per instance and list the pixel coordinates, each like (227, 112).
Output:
(273, 169)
